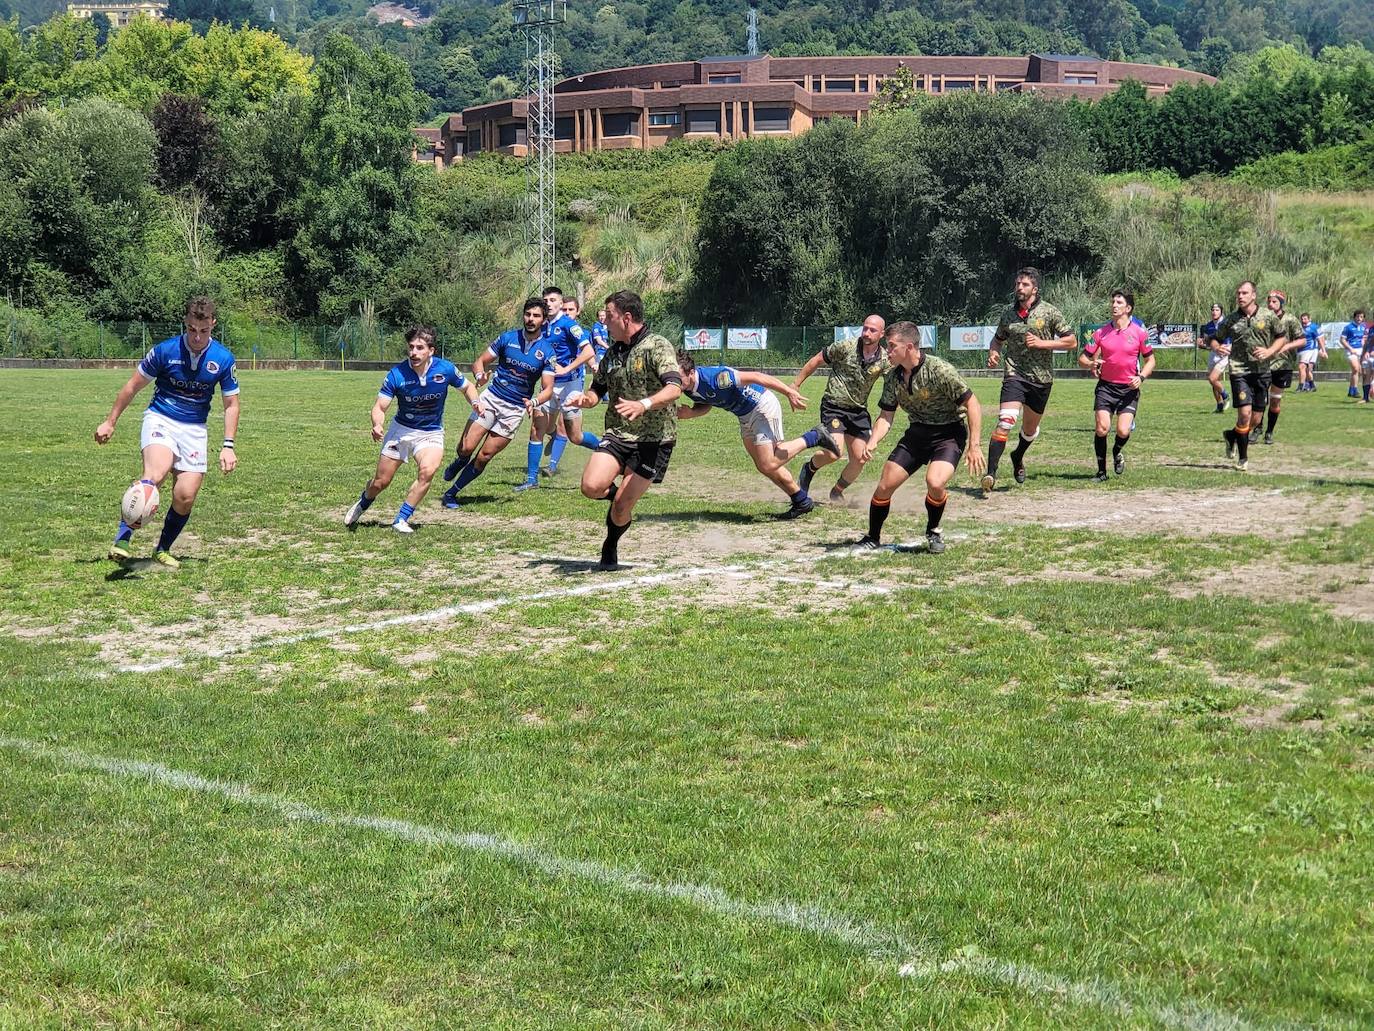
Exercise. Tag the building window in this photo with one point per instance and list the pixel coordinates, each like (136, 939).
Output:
(952, 84)
(474, 144)
(1081, 78)
(772, 119)
(620, 124)
(707, 120)
(563, 128)
(1006, 84)
(659, 119)
(510, 135)
(729, 119)
(722, 80)
(863, 84)
(839, 86)
(799, 80)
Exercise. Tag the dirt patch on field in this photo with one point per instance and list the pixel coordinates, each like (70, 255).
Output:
(1342, 590)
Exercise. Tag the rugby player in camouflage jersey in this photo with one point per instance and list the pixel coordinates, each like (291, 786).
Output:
(1282, 364)
(855, 370)
(944, 416)
(1027, 336)
(1255, 339)
(639, 378)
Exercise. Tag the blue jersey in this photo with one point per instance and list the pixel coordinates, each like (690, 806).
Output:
(520, 365)
(420, 396)
(567, 338)
(601, 339)
(1209, 331)
(1310, 334)
(186, 382)
(719, 387)
(1355, 335)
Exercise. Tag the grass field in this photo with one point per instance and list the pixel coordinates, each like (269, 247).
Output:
(1105, 763)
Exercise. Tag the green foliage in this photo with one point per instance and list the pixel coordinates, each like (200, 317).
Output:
(1344, 167)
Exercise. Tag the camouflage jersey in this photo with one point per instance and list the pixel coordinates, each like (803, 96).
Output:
(852, 377)
(1042, 320)
(633, 371)
(1248, 333)
(934, 395)
(1290, 327)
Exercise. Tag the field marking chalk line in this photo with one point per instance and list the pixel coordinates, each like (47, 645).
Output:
(883, 946)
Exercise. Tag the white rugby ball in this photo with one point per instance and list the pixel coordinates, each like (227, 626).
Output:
(140, 502)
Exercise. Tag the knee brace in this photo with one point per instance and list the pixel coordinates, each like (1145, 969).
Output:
(1275, 397)
(1006, 422)
(1030, 437)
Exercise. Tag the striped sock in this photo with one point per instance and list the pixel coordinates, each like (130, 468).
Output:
(934, 510)
(406, 511)
(878, 509)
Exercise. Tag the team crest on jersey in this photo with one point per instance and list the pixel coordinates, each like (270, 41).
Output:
(836, 424)
(923, 393)
(212, 367)
(439, 378)
(639, 363)
(1038, 325)
(722, 379)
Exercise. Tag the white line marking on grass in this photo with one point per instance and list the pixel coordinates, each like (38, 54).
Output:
(883, 945)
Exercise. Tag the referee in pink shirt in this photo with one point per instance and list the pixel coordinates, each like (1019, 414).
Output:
(1114, 355)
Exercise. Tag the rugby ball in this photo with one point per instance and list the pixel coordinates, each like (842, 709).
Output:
(139, 504)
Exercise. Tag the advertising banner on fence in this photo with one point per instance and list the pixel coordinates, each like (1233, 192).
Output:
(1332, 332)
(701, 339)
(850, 334)
(928, 338)
(1174, 336)
(753, 338)
(847, 334)
(970, 338)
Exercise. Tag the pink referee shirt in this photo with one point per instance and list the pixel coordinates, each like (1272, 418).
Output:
(1121, 350)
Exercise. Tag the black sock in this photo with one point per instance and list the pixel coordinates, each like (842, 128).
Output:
(877, 515)
(1119, 444)
(933, 514)
(995, 449)
(1242, 445)
(610, 548)
(1018, 456)
(1273, 421)
(610, 495)
(841, 484)
(1100, 446)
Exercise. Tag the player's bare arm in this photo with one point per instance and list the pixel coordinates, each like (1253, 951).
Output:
(995, 353)
(632, 410)
(586, 356)
(693, 411)
(812, 364)
(228, 457)
(545, 392)
(379, 408)
(1068, 342)
(880, 430)
(762, 379)
(973, 452)
(479, 367)
(123, 399)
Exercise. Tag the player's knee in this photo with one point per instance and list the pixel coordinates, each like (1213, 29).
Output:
(382, 481)
(593, 491)
(1006, 422)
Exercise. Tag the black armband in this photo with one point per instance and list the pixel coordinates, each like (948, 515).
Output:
(670, 379)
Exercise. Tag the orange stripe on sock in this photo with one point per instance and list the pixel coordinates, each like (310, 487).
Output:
(937, 504)
(998, 435)
(881, 503)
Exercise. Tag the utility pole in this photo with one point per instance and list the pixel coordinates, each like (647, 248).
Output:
(535, 20)
(752, 47)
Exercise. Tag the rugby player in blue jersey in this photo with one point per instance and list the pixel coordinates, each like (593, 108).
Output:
(568, 417)
(1313, 351)
(572, 350)
(746, 396)
(420, 385)
(1352, 342)
(186, 369)
(600, 339)
(524, 364)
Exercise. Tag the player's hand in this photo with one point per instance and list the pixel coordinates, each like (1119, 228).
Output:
(864, 452)
(479, 409)
(994, 358)
(973, 458)
(1034, 342)
(629, 410)
(227, 460)
(795, 399)
(1136, 382)
(1097, 368)
(482, 377)
(584, 400)
(104, 432)
(560, 370)
(377, 431)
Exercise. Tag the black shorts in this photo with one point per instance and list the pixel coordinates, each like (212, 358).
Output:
(646, 458)
(1281, 378)
(1250, 389)
(1115, 398)
(1035, 396)
(923, 442)
(853, 422)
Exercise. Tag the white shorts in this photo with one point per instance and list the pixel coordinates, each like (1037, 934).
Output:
(1308, 357)
(1214, 359)
(563, 393)
(187, 441)
(501, 418)
(405, 442)
(764, 424)
(1367, 361)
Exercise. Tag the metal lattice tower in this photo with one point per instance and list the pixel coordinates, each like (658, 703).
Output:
(752, 47)
(535, 20)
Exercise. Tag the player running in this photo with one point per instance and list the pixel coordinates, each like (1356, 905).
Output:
(746, 396)
(640, 381)
(1114, 355)
(1218, 351)
(1253, 332)
(420, 385)
(1313, 350)
(524, 364)
(1281, 365)
(855, 370)
(186, 369)
(600, 340)
(572, 348)
(1353, 338)
(568, 424)
(944, 415)
(1030, 331)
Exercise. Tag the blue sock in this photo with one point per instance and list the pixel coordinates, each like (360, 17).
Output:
(798, 497)
(590, 440)
(469, 473)
(171, 529)
(811, 438)
(364, 502)
(406, 511)
(556, 450)
(126, 532)
(536, 452)
(1366, 390)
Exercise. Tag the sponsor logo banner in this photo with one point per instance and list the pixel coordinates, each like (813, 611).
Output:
(971, 338)
(702, 339)
(752, 338)
(1174, 336)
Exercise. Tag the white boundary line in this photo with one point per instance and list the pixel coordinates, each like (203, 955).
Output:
(882, 945)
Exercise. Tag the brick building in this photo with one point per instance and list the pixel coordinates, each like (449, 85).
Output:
(731, 98)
